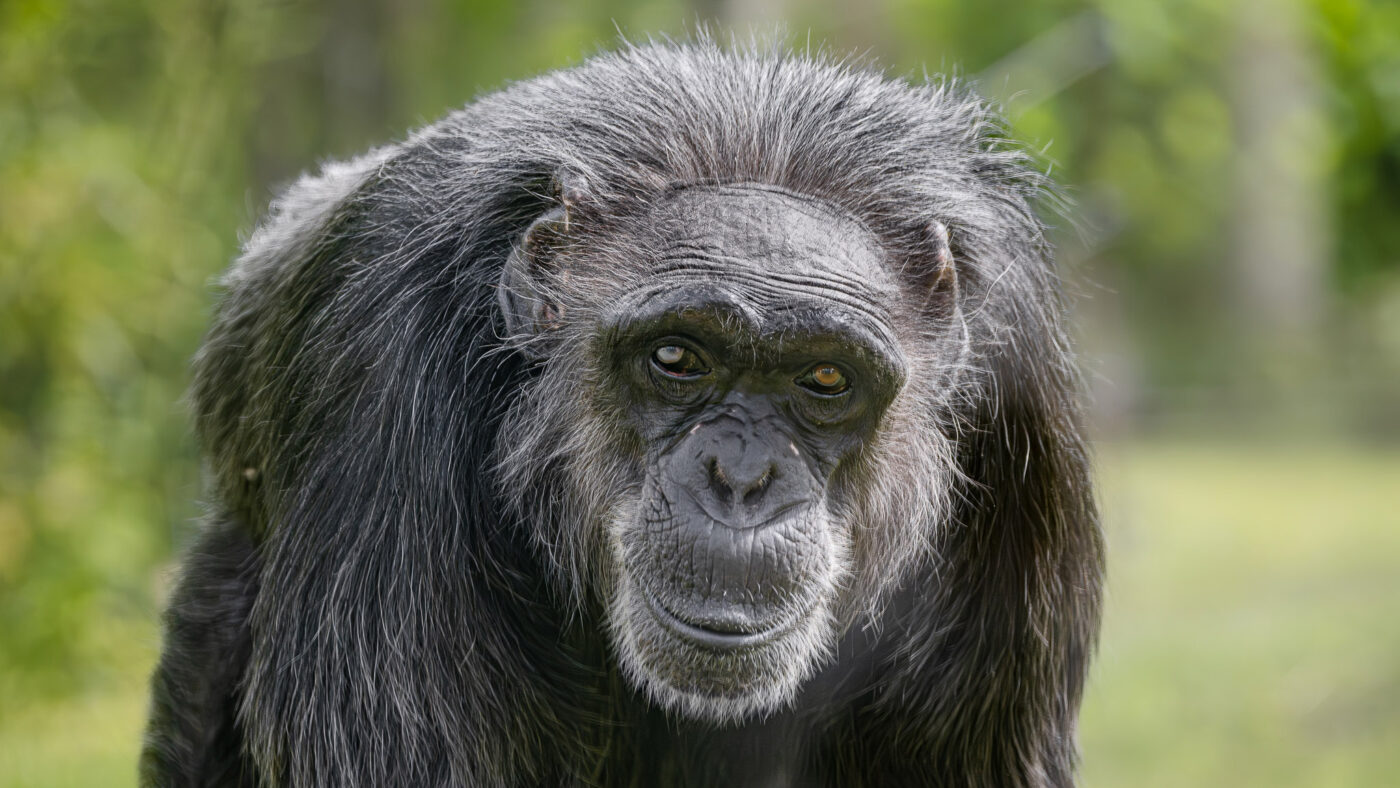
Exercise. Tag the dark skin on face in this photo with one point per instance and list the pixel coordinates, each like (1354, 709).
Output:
(757, 354)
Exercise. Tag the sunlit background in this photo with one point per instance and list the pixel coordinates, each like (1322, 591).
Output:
(1236, 169)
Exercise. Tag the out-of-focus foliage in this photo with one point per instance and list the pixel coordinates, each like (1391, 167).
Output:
(1361, 42)
(1236, 167)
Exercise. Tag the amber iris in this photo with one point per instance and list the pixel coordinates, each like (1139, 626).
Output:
(825, 379)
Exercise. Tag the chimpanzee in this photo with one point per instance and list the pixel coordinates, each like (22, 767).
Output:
(699, 415)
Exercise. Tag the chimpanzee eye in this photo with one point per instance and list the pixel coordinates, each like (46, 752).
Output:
(827, 379)
(678, 362)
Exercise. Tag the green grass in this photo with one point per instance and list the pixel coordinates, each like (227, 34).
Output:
(1252, 633)
(90, 738)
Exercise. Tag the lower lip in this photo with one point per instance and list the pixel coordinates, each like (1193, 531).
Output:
(708, 637)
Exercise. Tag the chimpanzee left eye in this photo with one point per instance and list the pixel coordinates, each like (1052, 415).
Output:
(678, 362)
(827, 379)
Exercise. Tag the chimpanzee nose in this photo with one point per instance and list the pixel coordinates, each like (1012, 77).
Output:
(744, 478)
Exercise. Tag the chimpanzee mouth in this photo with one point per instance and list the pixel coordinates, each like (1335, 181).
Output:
(728, 635)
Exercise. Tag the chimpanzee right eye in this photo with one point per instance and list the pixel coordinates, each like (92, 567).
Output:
(678, 361)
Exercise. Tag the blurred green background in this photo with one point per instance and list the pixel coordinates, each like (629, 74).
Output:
(1236, 168)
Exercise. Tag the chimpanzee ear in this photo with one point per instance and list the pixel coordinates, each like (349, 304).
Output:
(527, 304)
(941, 301)
(939, 275)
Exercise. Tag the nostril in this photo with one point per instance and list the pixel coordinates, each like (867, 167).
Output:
(744, 486)
(719, 483)
(759, 485)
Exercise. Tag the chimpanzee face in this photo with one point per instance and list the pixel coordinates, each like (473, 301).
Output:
(728, 371)
(756, 356)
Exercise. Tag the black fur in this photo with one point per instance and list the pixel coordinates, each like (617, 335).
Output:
(391, 591)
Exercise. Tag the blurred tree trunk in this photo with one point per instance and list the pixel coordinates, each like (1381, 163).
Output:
(740, 16)
(354, 73)
(1280, 237)
(327, 98)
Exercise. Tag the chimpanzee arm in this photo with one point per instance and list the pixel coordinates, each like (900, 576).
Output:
(194, 737)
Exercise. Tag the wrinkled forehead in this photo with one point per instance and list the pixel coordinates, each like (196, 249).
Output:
(766, 230)
(757, 263)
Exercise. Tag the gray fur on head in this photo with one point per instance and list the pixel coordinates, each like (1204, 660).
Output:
(422, 581)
